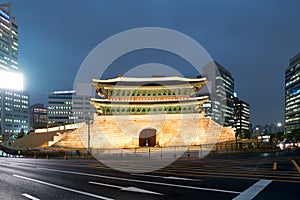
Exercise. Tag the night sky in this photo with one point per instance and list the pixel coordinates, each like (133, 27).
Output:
(254, 40)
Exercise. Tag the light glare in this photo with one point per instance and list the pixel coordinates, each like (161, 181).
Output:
(11, 80)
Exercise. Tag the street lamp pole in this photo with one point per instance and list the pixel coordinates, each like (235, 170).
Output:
(89, 122)
(2, 113)
(279, 136)
(5, 137)
(89, 135)
(236, 140)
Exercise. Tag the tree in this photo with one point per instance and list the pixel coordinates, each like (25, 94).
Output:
(294, 135)
(21, 134)
(243, 135)
(278, 136)
(247, 134)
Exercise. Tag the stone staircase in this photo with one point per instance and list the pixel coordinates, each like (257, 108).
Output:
(72, 140)
(59, 136)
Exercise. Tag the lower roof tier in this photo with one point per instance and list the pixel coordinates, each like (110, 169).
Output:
(104, 106)
(149, 101)
(142, 110)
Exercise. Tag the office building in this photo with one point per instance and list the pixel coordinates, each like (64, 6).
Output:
(14, 112)
(14, 101)
(8, 39)
(221, 89)
(66, 107)
(292, 95)
(38, 116)
(241, 118)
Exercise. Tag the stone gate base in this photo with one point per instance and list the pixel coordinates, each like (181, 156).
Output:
(111, 132)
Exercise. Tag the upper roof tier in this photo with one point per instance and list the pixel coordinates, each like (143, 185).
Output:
(152, 82)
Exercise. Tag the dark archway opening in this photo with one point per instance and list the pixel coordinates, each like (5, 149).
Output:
(147, 138)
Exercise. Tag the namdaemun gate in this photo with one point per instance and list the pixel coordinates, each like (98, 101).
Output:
(135, 112)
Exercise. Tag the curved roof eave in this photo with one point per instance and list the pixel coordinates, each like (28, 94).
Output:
(148, 79)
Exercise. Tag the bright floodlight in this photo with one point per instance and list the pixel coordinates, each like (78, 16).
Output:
(11, 80)
(279, 124)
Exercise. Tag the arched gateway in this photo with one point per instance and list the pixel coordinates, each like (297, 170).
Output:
(147, 138)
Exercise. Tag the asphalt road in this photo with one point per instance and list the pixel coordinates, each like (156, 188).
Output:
(214, 177)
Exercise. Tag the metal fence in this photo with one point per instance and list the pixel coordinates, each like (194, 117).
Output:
(170, 152)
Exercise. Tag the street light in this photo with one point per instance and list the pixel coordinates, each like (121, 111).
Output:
(278, 131)
(257, 132)
(279, 127)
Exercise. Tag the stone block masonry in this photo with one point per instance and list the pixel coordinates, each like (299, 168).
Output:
(110, 132)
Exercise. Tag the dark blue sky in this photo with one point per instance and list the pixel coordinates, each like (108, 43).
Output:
(254, 40)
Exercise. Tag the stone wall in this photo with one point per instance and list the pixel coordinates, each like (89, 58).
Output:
(171, 130)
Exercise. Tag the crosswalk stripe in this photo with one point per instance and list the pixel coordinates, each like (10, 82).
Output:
(251, 192)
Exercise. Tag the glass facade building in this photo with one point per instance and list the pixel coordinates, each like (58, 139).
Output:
(292, 95)
(66, 107)
(38, 116)
(241, 118)
(14, 111)
(14, 102)
(8, 40)
(221, 91)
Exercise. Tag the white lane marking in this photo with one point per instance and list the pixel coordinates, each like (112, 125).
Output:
(252, 191)
(30, 197)
(17, 164)
(103, 184)
(130, 189)
(181, 178)
(140, 181)
(168, 177)
(62, 187)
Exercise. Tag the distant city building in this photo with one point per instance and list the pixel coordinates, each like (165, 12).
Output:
(38, 116)
(269, 129)
(273, 128)
(241, 118)
(292, 95)
(251, 129)
(221, 90)
(66, 107)
(258, 130)
(15, 112)
(14, 102)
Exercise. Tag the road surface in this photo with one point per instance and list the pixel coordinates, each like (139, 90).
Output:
(258, 176)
